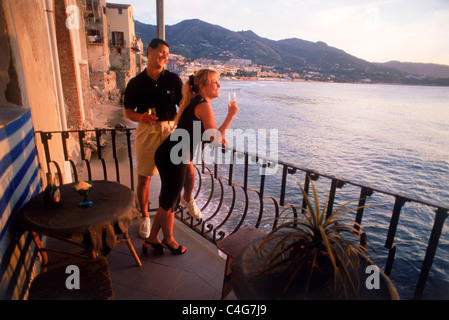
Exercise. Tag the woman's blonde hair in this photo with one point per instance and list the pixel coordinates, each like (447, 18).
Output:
(192, 88)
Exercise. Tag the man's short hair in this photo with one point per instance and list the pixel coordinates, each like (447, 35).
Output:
(156, 42)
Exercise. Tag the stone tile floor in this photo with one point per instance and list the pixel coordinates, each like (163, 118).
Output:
(195, 275)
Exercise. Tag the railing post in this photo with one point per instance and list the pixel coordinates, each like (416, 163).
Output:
(283, 185)
(231, 167)
(114, 154)
(215, 161)
(438, 224)
(81, 136)
(130, 157)
(45, 136)
(245, 178)
(309, 176)
(364, 193)
(99, 153)
(64, 137)
(262, 180)
(400, 201)
(306, 191)
(390, 260)
(334, 185)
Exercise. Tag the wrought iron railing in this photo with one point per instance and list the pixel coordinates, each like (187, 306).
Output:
(232, 196)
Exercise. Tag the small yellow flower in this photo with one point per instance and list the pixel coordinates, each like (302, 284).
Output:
(83, 186)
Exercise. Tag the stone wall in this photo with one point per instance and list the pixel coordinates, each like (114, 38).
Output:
(123, 78)
(120, 58)
(104, 87)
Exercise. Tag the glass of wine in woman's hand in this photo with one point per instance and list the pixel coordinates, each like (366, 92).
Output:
(232, 96)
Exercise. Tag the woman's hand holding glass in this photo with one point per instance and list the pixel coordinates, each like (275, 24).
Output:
(232, 105)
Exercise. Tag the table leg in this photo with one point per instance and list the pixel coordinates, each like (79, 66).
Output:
(41, 249)
(131, 248)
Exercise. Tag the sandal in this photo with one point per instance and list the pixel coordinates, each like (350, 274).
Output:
(179, 250)
(156, 246)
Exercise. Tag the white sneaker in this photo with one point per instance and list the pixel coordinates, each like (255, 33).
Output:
(194, 211)
(145, 228)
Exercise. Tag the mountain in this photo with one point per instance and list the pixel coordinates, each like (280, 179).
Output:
(198, 39)
(425, 69)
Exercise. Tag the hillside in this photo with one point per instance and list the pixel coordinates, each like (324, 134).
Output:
(425, 69)
(198, 39)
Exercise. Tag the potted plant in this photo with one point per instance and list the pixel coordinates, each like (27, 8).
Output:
(309, 256)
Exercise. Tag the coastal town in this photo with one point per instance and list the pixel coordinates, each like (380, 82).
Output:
(242, 69)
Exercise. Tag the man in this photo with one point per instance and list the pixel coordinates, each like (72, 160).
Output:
(157, 88)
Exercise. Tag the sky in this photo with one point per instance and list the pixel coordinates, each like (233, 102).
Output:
(374, 30)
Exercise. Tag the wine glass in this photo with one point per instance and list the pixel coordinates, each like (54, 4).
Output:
(232, 96)
(83, 190)
(152, 112)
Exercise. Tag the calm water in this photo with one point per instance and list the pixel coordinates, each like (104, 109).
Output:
(395, 138)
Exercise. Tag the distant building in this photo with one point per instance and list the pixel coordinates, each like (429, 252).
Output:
(124, 47)
(96, 25)
(245, 62)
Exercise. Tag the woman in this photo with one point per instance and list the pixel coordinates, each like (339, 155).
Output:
(195, 110)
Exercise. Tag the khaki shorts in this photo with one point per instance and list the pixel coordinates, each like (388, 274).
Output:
(146, 144)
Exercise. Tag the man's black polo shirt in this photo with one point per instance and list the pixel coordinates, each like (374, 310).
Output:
(142, 92)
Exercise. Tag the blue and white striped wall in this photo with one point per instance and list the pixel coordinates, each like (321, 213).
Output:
(20, 180)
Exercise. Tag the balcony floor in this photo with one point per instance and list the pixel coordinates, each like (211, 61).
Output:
(195, 275)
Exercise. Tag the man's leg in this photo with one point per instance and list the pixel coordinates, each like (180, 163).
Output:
(187, 198)
(189, 183)
(143, 195)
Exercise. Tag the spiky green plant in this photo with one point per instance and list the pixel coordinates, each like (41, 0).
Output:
(316, 250)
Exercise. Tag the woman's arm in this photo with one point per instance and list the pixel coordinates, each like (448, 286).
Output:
(205, 113)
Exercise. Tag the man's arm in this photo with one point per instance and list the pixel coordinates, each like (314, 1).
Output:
(129, 104)
(140, 117)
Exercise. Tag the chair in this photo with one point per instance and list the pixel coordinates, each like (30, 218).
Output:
(94, 282)
(232, 246)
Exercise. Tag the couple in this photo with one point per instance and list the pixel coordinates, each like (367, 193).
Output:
(162, 89)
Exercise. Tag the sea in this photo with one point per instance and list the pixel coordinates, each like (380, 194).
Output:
(391, 137)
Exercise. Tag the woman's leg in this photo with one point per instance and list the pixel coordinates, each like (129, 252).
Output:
(172, 180)
(164, 220)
